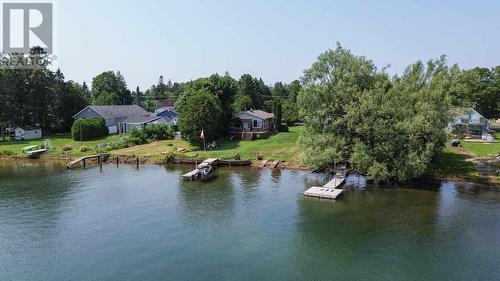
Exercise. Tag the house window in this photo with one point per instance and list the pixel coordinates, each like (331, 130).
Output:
(256, 124)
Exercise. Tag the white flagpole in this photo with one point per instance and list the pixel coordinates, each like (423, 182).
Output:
(204, 146)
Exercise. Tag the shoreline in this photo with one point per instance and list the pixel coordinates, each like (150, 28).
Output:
(129, 160)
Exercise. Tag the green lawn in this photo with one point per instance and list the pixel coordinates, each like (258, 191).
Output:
(58, 141)
(281, 146)
(450, 163)
(483, 149)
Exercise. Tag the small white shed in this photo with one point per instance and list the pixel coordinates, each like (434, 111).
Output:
(27, 134)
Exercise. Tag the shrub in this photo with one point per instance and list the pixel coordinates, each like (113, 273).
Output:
(138, 136)
(84, 149)
(237, 156)
(6, 153)
(87, 129)
(283, 128)
(136, 140)
(155, 132)
(67, 147)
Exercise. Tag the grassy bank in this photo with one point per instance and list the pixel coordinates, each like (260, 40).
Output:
(483, 149)
(281, 146)
(14, 148)
(472, 161)
(449, 163)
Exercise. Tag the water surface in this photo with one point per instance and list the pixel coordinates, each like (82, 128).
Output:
(248, 224)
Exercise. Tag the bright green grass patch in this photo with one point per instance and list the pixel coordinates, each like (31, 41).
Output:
(14, 148)
(281, 146)
(484, 149)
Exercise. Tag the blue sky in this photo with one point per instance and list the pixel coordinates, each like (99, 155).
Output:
(275, 40)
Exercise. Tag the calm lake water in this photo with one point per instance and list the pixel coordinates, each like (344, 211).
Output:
(247, 224)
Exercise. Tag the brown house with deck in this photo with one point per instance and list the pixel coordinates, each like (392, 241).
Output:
(252, 124)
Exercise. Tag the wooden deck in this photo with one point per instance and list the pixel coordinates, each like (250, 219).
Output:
(194, 174)
(331, 190)
(82, 159)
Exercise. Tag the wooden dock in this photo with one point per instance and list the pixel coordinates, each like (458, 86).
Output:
(331, 190)
(273, 164)
(207, 165)
(83, 160)
(263, 163)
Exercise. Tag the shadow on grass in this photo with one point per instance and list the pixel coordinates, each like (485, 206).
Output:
(448, 163)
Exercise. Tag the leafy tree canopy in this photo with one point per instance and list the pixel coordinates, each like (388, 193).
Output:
(110, 82)
(199, 111)
(386, 128)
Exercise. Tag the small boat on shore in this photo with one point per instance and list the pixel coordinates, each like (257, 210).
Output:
(32, 151)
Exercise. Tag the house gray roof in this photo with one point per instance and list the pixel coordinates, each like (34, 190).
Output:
(164, 120)
(258, 113)
(114, 111)
(140, 119)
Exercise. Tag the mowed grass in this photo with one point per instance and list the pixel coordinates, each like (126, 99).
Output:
(156, 149)
(448, 162)
(58, 141)
(483, 149)
(281, 146)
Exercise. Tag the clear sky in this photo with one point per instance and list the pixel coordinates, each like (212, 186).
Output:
(275, 40)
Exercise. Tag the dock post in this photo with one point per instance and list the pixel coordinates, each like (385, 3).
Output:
(137, 160)
(84, 163)
(117, 161)
(100, 162)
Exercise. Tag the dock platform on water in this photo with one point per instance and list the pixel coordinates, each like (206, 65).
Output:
(83, 160)
(203, 171)
(330, 190)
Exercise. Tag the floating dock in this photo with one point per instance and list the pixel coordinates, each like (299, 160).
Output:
(330, 190)
(203, 171)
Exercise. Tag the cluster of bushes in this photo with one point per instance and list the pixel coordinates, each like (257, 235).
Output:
(6, 153)
(87, 129)
(283, 128)
(66, 147)
(153, 132)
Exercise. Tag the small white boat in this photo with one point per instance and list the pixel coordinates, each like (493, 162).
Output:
(35, 154)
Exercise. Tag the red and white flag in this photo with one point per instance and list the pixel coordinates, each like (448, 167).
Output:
(202, 135)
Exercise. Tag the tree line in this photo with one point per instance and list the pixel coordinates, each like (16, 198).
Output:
(388, 127)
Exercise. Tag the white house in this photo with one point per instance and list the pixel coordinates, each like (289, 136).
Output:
(27, 133)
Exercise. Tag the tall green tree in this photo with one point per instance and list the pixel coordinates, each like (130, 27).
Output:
(111, 82)
(386, 129)
(279, 90)
(243, 103)
(200, 111)
(224, 88)
(278, 113)
(254, 88)
(38, 97)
